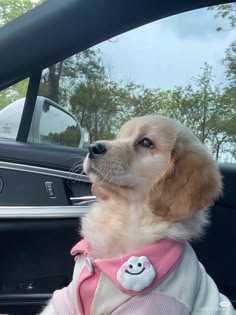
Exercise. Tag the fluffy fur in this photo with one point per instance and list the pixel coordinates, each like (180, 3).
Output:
(146, 194)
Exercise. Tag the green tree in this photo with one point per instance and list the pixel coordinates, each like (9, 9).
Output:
(230, 64)
(13, 93)
(207, 110)
(10, 9)
(97, 105)
(228, 12)
(225, 11)
(59, 79)
(69, 137)
(138, 101)
(200, 105)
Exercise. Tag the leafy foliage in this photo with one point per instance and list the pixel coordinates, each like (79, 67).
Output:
(228, 11)
(69, 137)
(9, 10)
(13, 93)
(230, 64)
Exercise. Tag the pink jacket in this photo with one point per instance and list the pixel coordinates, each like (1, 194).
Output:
(139, 283)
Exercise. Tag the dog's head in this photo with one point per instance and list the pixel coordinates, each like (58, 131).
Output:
(156, 160)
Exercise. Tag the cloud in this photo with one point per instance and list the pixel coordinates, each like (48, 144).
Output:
(168, 52)
(198, 24)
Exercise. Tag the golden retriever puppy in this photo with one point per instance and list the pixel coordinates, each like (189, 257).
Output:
(153, 183)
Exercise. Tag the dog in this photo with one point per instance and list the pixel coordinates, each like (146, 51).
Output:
(153, 184)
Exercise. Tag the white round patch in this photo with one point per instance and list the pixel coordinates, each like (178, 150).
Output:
(136, 274)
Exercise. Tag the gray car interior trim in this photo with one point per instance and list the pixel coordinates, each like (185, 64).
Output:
(53, 212)
(44, 171)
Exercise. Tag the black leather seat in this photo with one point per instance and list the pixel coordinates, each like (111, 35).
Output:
(217, 250)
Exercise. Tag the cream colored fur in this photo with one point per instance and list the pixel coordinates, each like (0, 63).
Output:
(146, 194)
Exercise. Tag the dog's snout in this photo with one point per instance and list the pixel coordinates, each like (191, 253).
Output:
(96, 149)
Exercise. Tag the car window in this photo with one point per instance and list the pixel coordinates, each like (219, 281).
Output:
(176, 67)
(182, 67)
(11, 108)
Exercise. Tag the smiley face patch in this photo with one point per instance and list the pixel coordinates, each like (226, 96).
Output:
(136, 274)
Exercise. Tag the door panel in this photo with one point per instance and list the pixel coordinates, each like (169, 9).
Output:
(39, 175)
(26, 186)
(37, 229)
(36, 261)
(49, 156)
(31, 189)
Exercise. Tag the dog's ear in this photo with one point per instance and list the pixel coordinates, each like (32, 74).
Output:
(192, 182)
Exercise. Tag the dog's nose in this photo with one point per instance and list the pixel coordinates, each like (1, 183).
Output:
(95, 149)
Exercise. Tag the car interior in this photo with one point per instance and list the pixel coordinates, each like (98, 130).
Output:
(37, 231)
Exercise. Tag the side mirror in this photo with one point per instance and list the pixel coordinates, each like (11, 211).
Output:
(51, 124)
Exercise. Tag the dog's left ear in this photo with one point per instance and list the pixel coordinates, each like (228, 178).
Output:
(192, 182)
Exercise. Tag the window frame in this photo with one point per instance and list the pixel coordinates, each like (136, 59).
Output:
(29, 106)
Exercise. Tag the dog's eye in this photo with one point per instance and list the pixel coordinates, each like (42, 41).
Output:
(146, 143)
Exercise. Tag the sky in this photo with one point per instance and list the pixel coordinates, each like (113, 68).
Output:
(169, 52)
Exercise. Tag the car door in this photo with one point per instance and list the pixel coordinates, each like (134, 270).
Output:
(40, 186)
